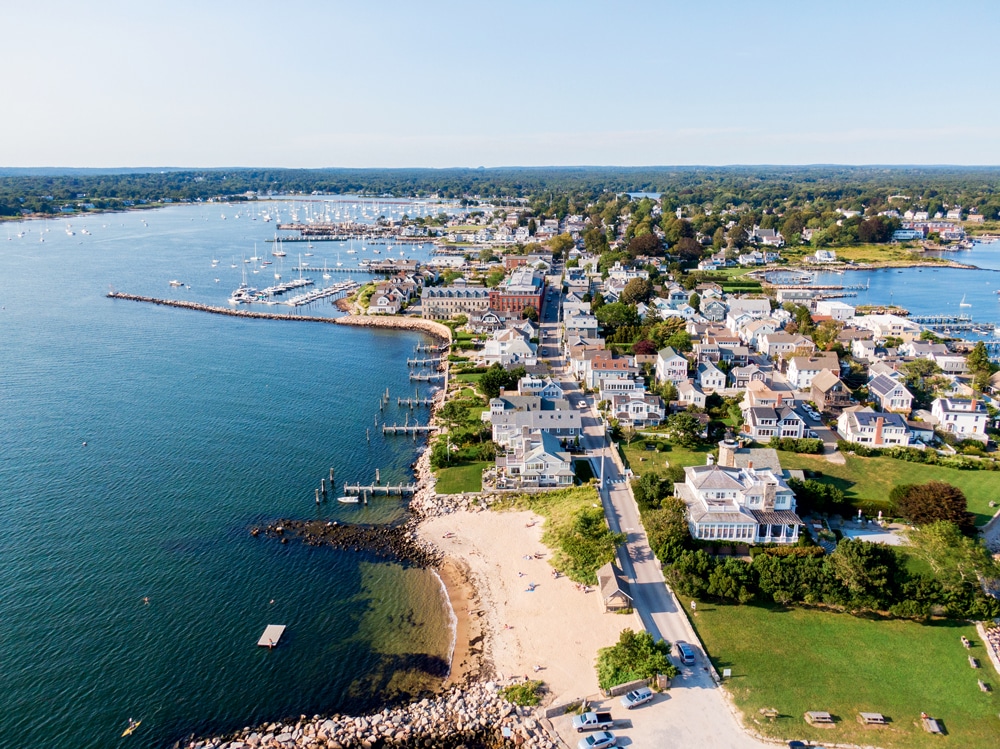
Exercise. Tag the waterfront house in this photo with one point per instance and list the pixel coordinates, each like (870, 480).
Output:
(890, 394)
(749, 505)
(889, 326)
(535, 459)
(508, 424)
(963, 418)
(835, 309)
(867, 427)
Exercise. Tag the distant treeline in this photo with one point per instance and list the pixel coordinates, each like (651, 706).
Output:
(553, 190)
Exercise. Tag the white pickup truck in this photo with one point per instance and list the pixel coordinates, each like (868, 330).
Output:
(593, 722)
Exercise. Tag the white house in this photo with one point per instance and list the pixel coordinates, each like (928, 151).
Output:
(886, 326)
(890, 394)
(544, 388)
(710, 377)
(535, 460)
(638, 409)
(867, 427)
(966, 419)
(802, 369)
(671, 365)
(689, 394)
(761, 423)
(509, 348)
(749, 505)
(780, 344)
(835, 309)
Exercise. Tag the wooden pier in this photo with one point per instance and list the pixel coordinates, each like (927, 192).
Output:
(389, 490)
(423, 362)
(412, 402)
(427, 348)
(942, 319)
(272, 633)
(425, 377)
(406, 429)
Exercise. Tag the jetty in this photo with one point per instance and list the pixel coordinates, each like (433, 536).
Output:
(426, 377)
(941, 319)
(407, 429)
(412, 402)
(422, 348)
(272, 634)
(423, 362)
(389, 490)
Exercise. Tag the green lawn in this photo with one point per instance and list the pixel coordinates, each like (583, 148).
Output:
(467, 477)
(816, 660)
(867, 481)
(641, 460)
(471, 377)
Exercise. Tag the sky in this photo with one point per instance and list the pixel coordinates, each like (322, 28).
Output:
(323, 83)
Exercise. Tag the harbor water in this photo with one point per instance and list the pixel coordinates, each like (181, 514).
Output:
(140, 446)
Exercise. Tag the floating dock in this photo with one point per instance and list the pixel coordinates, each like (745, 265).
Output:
(271, 635)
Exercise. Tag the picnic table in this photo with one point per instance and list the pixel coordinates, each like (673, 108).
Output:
(931, 725)
(819, 718)
(872, 719)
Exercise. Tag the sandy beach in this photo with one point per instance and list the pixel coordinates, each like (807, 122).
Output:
(504, 629)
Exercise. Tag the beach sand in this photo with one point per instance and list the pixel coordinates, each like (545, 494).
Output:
(503, 630)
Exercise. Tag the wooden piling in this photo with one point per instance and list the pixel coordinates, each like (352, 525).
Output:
(377, 479)
(317, 496)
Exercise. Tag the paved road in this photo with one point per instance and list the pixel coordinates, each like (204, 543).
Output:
(695, 712)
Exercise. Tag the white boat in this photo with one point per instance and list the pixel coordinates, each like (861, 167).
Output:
(176, 283)
(349, 500)
(964, 303)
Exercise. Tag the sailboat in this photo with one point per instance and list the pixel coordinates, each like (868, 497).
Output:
(964, 303)
(326, 273)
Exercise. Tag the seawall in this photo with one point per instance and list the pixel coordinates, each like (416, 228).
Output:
(399, 323)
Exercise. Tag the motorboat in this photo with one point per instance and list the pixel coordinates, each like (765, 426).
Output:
(349, 500)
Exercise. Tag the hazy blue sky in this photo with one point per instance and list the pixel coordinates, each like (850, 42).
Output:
(312, 84)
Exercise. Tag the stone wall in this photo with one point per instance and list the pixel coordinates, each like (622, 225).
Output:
(400, 323)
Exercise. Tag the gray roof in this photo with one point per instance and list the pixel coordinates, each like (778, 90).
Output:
(869, 418)
(882, 385)
(776, 517)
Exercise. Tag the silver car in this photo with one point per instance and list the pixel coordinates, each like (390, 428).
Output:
(598, 740)
(637, 697)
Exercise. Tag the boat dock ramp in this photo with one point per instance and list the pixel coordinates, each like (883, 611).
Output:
(340, 288)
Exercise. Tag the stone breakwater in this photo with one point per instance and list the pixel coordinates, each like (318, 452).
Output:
(399, 323)
(395, 542)
(472, 717)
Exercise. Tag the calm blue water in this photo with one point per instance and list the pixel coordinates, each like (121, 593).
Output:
(929, 291)
(197, 427)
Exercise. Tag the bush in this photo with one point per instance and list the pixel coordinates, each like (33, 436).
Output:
(922, 504)
(790, 445)
(635, 656)
(525, 693)
(913, 455)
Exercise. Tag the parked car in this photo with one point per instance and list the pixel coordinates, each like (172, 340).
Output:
(812, 434)
(685, 652)
(591, 721)
(598, 740)
(637, 697)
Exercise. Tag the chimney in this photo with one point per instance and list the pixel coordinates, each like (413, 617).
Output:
(709, 459)
(779, 400)
(750, 466)
(727, 449)
(879, 422)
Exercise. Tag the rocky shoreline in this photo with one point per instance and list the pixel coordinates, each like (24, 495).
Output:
(474, 717)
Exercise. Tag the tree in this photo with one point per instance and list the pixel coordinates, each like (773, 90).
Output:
(635, 656)
(645, 347)
(695, 301)
(684, 429)
(923, 504)
(532, 227)
(636, 290)
(529, 313)
(494, 277)
(688, 249)
(867, 570)
(616, 315)
(496, 378)
(732, 580)
(645, 244)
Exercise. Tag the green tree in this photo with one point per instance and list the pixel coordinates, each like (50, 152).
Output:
(732, 580)
(684, 429)
(866, 570)
(695, 301)
(529, 313)
(934, 501)
(635, 656)
(616, 315)
(636, 290)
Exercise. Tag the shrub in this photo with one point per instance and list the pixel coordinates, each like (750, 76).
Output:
(635, 656)
(790, 445)
(525, 693)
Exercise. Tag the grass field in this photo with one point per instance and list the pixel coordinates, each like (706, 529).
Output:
(467, 477)
(842, 664)
(641, 460)
(867, 481)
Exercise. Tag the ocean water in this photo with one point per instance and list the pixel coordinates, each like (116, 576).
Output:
(197, 427)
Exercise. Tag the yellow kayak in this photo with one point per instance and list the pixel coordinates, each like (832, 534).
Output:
(132, 727)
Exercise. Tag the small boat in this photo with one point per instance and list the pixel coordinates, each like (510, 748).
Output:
(176, 283)
(132, 725)
(963, 303)
(349, 500)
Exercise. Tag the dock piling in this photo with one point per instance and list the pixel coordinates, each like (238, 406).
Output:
(317, 496)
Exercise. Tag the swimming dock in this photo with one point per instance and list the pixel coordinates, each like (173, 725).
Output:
(272, 633)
